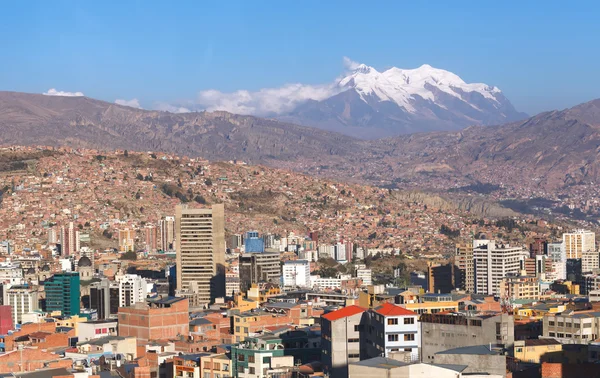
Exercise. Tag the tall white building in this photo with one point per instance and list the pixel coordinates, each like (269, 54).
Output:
(558, 255)
(493, 262)
(296, 273)
(22, 300)
(365, 275)
(577, 242)
(132, 289)
(590, 261)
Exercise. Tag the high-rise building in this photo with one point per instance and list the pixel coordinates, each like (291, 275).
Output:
(493, 262)
(200, 235)
(253, 243)
(558, 255)
(366, 275)
(126, 240)
(578, 241)
(259, 267)
(167, 233)
(150, 237)
(538, 247)
(296, 273)
(52, 236)
(104, 298)
(590, 261)
(235, 241)
(132, 289)
(69, 240)
(22, 300)
(63, 293)
(463, 259)
(440, 278)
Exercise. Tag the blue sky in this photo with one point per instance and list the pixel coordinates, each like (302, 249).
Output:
(543, 55)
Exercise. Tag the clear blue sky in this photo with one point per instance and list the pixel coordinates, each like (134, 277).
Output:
(543, 55)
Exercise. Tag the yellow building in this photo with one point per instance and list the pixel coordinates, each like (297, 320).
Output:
(216, 365)
(242, 304)
(433, 303)
(538, 350)
(261, 295)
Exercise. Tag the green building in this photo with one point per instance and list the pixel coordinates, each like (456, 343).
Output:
(252, 357)
(63, 293)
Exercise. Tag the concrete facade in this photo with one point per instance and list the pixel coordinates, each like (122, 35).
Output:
(340, 342)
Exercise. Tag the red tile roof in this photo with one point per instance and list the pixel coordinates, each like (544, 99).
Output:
(344, 312)
(388, 309)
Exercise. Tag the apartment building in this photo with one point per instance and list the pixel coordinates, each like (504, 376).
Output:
(340, 342)
(572, 327)
(296, 273)
(494, 261)
(463, 259)
(578, 241)
(558, 255)
(520, 287)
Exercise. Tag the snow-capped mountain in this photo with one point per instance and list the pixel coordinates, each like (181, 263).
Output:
(371, 104)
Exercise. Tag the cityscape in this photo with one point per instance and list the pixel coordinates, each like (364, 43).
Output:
(338, 189)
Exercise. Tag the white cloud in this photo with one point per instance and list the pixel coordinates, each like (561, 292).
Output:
(267, 101)
(54, 92)
(349, 64)
(172, 108)
(133, 103)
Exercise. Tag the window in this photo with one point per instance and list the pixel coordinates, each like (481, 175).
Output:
(241, 358)
(226, 367)
(353, 340)
(357, 328)
(552, 334)
(392, 321)
(551, 323)
(266, 360)
(216, 366)
(251, 359)
(392, 337)
(409, 337)
(560, 335)
(353, 355)
(561, 324)
(251, 370)
(206, 375)
(576, 325)
(408, 349)
(587, 325)
(237, 329)
(409, 320)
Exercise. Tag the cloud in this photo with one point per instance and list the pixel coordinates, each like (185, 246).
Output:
(267, 101)
(133, 103)
(54, 92)
(349, 64)
(172, 108)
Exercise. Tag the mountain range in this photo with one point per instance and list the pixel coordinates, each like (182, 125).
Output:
(548, 151)
(370, 104)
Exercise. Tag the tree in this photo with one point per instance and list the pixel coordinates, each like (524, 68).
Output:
(129, 256)
(208, 182)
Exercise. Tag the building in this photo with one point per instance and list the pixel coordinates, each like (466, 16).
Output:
(235, 241)
(22, 299)
(365, 275)
(578, 241)
(538, 350)
(296, 273)
(127, 240)
(493, 262)
(392, 368)
(96, 329)
(6, 319)
(433, 303)
(538, 247)
(259, 267)
(132, 289)
(105, 298)
(167, 233)
(519, 287)
(440, 278)
(558, 255)
(258, 357)
(200, 243)
(253, 243)
(590, 261)
(156, 319)
(63, 293)
(390, 328)
(463, 259)
(441, 332)
(150, 238)
(69, 240)
(340, 342)
(479, 360)
(582, 327)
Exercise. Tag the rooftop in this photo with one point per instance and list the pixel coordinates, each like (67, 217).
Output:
(344, 312)
(381, 363)
(480, 350)
(388, 309)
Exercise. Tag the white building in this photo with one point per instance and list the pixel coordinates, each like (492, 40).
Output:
(340, 252)
(590, 261)
(390, 328)
(132, 289)
(556, 252)
(296, 273)
(11, 274)
(365, 275)
(578, 241)
(22, 300)
(493, 262)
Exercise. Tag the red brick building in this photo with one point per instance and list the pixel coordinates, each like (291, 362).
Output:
(6, 321)
(163, 318)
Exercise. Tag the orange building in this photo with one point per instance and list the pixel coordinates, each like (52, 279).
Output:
(164, 318)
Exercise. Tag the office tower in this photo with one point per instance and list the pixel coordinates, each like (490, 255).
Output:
(150, 238)
(314, 236)
(538, 247)
(104, 298)
(574, 270)
(577, 242)
(463, 259)
(558, 255)
(52, 236)
(132, 289)
(296, 273)
(126, 240)
(235, 241)
(493, 262)
(22, 300)
(200, 235)
(63, 293)
(253, 243)
(259, 267)
(167, 233)
(440, 278)
(69, 239)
